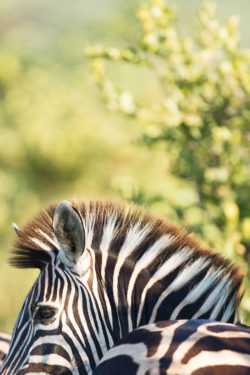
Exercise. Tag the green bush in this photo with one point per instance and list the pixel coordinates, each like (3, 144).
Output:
(199, 115)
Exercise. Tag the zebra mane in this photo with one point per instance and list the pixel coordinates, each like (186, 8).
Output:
(36, 239)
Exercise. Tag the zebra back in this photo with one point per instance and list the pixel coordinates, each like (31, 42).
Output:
(193, 347)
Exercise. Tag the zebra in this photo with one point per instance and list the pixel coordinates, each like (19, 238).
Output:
(105, 270)
(4, 345)
(183, 347)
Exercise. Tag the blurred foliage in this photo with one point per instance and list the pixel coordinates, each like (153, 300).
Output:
(54, 142)
(58, 140)
(200, 116)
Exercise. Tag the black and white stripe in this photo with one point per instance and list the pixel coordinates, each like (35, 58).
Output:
(183, 347)
(4, 345)
(104, 271)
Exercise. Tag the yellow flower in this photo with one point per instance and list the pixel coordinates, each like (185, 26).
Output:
(246, 228)
(231, 211)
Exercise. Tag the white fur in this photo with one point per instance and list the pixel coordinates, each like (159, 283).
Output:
(50, 240)
(168, 266)
(133, 239)
(148, 257)
(181, 279)
(107, 236)
(89, 225)
(197, 291)
(40, 244)
(229, 310)
(222, 287)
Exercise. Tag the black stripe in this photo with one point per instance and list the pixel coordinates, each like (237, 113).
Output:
(181, 334)
(223, 369)
(47, 348)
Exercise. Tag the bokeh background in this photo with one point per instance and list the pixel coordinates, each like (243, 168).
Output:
(62, 135)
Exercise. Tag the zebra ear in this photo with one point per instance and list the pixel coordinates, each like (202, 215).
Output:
(70, 231)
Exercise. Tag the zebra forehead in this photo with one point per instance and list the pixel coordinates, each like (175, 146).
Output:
(109, 227)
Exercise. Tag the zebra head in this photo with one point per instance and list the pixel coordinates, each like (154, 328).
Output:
(104, 271)
(48, 336)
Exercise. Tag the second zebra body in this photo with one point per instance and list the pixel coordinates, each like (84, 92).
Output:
(183, 347)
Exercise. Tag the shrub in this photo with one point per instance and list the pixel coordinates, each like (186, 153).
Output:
(200, 115)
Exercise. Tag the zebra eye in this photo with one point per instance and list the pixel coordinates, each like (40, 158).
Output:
(45, 314)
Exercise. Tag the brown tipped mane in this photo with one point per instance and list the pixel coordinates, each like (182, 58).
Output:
(36, 240)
